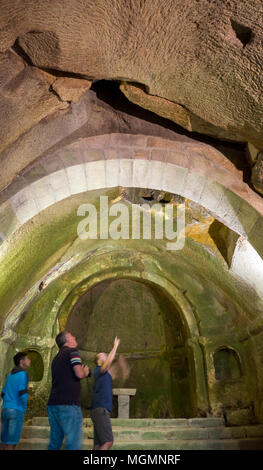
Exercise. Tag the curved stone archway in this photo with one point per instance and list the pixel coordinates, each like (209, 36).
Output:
(194, 171)
(64, 303)
(184, 359)
(197, 172)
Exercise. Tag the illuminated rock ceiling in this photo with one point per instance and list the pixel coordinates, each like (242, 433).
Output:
(144, 102)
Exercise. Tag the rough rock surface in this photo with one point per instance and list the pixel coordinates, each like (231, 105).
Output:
(203, 55)
(90, 116)
(174, 112)
(71, 89)
(257, 174)
(25, 98)
(165, 108)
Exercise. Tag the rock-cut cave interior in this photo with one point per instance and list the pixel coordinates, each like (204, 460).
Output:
(152, 105)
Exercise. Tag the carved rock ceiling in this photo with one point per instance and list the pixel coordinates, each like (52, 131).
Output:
(196, 63)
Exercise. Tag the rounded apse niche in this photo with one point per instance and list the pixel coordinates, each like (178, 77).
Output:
(152, 341)
(227, 364)
(36, 369)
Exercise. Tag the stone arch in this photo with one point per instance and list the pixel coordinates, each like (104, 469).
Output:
(187, 315)
(67, 298)
(153, 340)
(199, 385)
(227, 364)
(197, 172)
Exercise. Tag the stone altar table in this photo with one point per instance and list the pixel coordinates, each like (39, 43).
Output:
(124, 395)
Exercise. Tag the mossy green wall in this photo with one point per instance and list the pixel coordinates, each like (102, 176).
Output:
(212, 307)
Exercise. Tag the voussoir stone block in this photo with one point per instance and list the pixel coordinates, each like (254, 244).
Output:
(228, 210)
(71, 156)
(156, 170)
(159, 155)
(174, 178)
(194, 185)
(111, 153)
(179, 158)
(60, 184)
(127, 140)
(159, 142)
(211, 195)
(52, 163)
(43, 193)
(200, 164)
(141, 154)
(24, 205)
(126, 152)
(247, 264)
(140, 173)
(112, 173)
(8, 220)
(93, 155)
(35, 173)
(95, 174)
(126, 171)
(77, 178)
(96, 141)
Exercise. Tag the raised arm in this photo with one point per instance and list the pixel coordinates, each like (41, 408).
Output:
(120, 369)
(110, 358)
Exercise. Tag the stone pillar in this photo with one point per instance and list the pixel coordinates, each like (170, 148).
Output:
(123, 406)
(124, 401)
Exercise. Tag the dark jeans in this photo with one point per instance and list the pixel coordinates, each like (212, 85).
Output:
(12, 424)
(65, 421)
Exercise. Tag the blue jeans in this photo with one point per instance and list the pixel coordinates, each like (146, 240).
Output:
(12, 424)
(65, 421)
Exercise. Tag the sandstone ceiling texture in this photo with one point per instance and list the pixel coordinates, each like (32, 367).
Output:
(140, 101)
(205, 56)
(196, 63)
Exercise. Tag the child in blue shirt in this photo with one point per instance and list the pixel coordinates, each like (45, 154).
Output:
(14, 395)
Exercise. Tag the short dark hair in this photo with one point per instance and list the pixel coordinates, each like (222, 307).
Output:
(61, 339)
(17, 358)
(96, 358)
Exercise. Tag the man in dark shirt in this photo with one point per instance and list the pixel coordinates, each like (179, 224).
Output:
(102, 399)
(64, 411)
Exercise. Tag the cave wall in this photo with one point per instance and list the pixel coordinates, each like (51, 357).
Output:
(221, 324)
